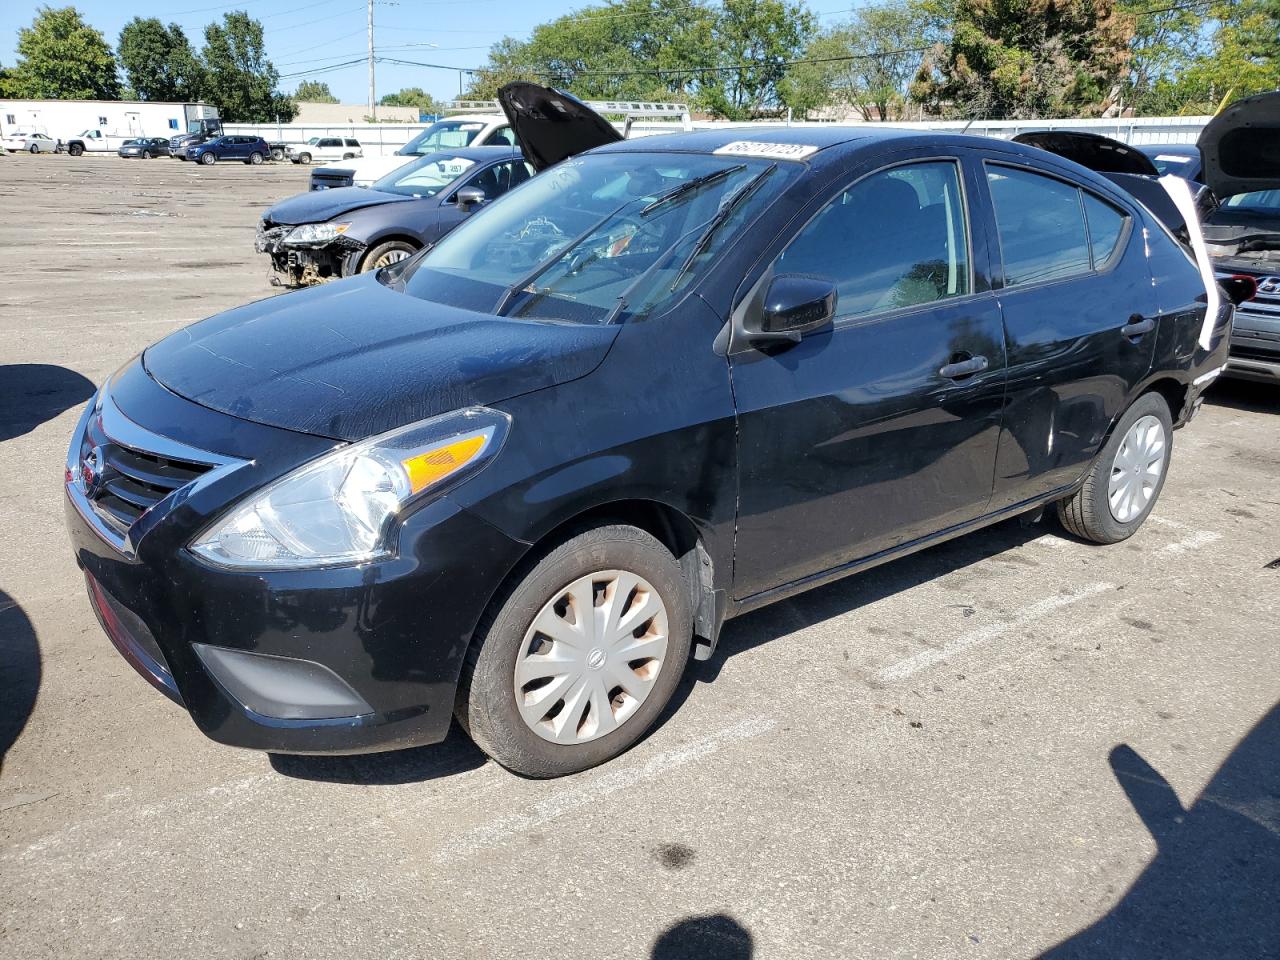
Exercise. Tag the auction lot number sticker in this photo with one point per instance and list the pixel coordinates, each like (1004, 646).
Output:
(767, 151)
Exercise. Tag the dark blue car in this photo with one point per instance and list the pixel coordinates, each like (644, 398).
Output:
(243, 148)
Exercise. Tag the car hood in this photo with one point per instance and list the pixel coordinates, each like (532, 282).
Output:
(353, 358)
(367, 169)
(551, 126)
(1098, 153)
(317, 206)
(1240, 147)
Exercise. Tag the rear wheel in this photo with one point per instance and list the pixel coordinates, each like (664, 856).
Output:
(1122, 486)
(348, 156)
(277, 153)
(385, 254)
(146, 154)
(208, 159)
(577, 660)
(255, 158)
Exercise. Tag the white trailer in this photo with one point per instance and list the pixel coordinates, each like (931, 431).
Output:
(101, 122)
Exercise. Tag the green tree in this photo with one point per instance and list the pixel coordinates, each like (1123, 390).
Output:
(314, 91)
(864, 66)
(413, 97)
(1027, 59)
(755, 39)
(158, 61)
(240, 80)
(60, 57)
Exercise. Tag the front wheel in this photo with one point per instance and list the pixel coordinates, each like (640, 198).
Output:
(34, 148)
(577, 659)
(385, 254)
(304, 158)
(208, 159)
(277, 153)
(75, 149)
(1122, 486)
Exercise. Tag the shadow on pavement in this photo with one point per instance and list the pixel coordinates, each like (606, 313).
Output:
(457, 754)
(31, 393)
(716, 936)
(19, 672)
(1213, 889)
(1247, 395)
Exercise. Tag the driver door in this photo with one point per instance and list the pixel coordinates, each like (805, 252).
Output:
(494, 180)
(867, 434)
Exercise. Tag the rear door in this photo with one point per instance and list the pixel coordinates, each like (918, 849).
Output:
(882, 428)
(1079, 315)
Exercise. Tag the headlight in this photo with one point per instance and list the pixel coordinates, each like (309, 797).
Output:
(316, 232)
(342, 508)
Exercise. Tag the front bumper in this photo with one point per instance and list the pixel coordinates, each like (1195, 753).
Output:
(339, 660)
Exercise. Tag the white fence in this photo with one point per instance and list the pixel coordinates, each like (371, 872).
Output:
(379, 139)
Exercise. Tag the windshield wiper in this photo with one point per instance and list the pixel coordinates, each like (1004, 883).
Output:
(691, 186)
(721, 215)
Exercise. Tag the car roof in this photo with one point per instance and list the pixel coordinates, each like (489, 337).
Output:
(1177, 149)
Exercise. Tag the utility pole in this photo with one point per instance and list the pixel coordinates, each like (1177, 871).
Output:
(373, 104)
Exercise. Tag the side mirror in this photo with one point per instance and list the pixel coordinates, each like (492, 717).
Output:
(469, 197)
(1238, 289)
(793, 306)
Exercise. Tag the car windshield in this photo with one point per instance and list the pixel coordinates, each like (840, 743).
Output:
(425, 177)
(445, 133)
(1174, 164)
(1263, 201)
(597, 237)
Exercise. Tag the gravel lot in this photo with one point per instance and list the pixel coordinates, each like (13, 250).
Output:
(1010, 745)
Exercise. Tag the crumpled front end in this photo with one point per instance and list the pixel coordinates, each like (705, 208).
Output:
(304, 264)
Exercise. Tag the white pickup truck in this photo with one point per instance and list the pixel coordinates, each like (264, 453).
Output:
(96, 141)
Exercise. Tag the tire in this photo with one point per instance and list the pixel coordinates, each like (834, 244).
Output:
(208, 159)
(146, 154)
(598, 561)
(75, 149)
(348, 156)
(1120, 489)
(277, 153)
(255, 158)
(304, 158)
(385, 254)
(34, 148)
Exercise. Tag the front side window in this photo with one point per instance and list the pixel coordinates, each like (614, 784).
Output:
(1041, 226)
(501, 136)
(897, 238)
(499, 178)
(599, 236)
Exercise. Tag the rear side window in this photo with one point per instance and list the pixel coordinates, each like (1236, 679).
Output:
(353, 143)
(1106, 224)
(895, 239)
(500, 136)
(1041, 226)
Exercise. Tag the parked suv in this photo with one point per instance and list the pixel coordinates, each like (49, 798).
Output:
(324, 148)
(523, 477)
(246, 149)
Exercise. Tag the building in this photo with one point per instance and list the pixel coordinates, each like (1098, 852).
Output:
(63, 119)
(322, 114)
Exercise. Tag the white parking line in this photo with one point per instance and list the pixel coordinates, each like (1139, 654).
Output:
(934, 655)
(1193, 542)
(499, 831)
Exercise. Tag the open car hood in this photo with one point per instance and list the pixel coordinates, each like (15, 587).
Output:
(551, 126)
(1098, 153)
(1240, 147)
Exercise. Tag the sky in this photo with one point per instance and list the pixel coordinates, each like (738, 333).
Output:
(305, 34)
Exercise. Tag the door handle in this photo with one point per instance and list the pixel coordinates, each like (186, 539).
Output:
(1137, 326)
(963, 368)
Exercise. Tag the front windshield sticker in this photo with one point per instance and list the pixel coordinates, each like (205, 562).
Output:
(769, 151)
(1170, 158)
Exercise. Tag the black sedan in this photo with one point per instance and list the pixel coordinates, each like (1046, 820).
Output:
(523, 477)
(325, 234)
(145, 148)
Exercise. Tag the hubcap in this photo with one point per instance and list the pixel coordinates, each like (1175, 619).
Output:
(591, 657)
(390, 257)
(1135, 472)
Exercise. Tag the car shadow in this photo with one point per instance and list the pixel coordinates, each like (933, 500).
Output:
(31, 393)
(455, 755)
(715, 936)
(1246, 395)
(1214, 885)
(19, 672)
